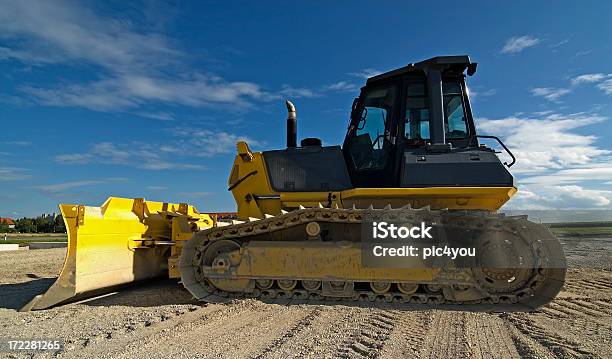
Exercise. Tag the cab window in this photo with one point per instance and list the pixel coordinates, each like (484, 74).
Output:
(417, 111)
(454, 114)
(369, 147)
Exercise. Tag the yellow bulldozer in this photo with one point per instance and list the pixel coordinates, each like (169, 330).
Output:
(411, 152)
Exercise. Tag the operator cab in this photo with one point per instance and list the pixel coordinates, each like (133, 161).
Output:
(413, 127)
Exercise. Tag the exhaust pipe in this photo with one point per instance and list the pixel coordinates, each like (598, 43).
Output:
(291, 125)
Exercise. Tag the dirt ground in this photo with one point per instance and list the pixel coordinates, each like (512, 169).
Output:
(160, 319)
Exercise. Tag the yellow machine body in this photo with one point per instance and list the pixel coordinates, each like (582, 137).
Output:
(255, 196)
(127, 240)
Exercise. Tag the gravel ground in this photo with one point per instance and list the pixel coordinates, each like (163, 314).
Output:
(159, 319)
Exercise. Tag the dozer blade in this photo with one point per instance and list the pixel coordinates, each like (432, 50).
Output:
(112, 245)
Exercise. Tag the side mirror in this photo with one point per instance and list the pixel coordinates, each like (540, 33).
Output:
(471, 69)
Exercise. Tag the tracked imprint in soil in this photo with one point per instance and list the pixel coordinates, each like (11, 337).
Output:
(555, 344)
(248, 328)
(407, 338)
(570, 308)
(157, 335)
(589, 282)
(300, 326)
(329, 328)
(600, 307)
(487, 337)
(371, 336)
(447, 336)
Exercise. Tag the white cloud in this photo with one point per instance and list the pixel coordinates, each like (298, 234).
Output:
(476, 94)
(162, 116)
(342, 86)
(293, 92)
(560, 43)
(13, 174)
(517, 44)
(595, 172)
(365, 73)
(606, 86)
(557, 167)
(134, 154)
(582, 53)
(550, 93)
(16, 143)
(602, 81)
(588, 78)
(58, 188)
(207, 143)
(124, 92)
(175, 154)
(25, 56)
(560, 197)
(547, 143)
(64, 31)
(134, 65)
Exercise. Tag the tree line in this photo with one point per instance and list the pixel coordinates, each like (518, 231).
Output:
(40, 224)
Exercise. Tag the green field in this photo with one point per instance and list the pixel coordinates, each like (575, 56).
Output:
(27, 238)
(582, 231)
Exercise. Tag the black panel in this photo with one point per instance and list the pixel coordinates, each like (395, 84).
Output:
(307, 169)
(460, 168)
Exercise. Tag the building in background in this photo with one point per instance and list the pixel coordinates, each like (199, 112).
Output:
(9, 221)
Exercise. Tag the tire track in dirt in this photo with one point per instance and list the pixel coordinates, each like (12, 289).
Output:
(228, 335)
(115, 343)
(576, 308)
(322, 336)
(290, 334)
(488, 337)
(596, 284)
(556, 345)
(406, 339)
(601, 307)
(371, 337)
(210, 331)
(447, 336)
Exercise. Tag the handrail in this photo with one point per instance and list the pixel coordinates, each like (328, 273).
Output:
(502, 144)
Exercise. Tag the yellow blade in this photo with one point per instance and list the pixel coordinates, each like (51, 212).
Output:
(106, 247)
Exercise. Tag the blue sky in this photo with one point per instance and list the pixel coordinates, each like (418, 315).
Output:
(148, 99)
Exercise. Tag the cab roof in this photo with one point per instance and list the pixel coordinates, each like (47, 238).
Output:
(456, 64)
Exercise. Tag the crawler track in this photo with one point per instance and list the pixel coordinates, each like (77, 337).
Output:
(526, 289)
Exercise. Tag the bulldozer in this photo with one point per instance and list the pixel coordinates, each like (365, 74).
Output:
(411, 152)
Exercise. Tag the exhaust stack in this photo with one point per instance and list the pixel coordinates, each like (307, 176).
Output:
(291, 125)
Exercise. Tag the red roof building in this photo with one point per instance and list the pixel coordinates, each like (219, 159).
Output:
(9, 221)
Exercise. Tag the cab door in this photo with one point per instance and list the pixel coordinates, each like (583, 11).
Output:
(370, 141)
